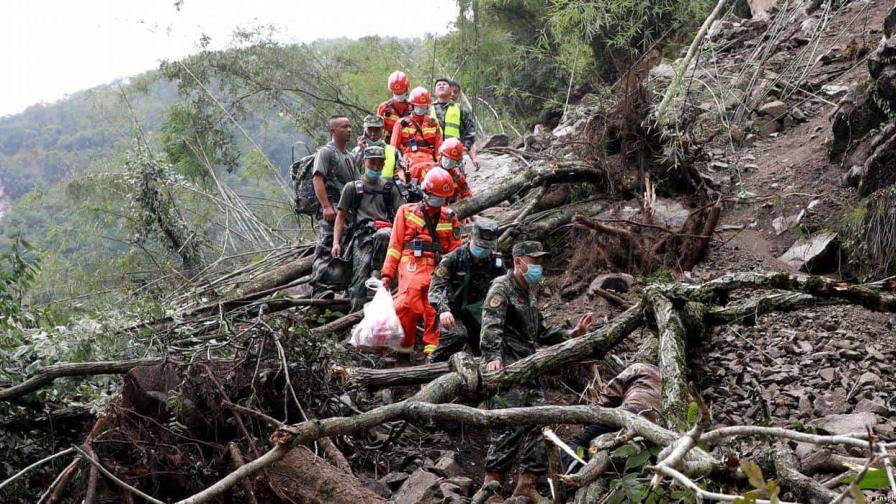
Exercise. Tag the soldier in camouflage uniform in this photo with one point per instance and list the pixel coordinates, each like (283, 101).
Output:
(511, 326)
(333, 169)
(459, 286)
(373, 136)
(368, 206)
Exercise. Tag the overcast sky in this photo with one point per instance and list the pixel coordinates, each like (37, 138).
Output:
(50, 48)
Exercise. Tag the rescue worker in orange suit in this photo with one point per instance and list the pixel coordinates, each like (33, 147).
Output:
(393, 109)
(421, 234)
(418, 136)
(451, 155)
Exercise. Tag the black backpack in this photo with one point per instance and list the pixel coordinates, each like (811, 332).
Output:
(305, 200)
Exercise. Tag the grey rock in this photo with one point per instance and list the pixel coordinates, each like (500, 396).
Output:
(670, 212)
(834, 90)
(869, 406)
(774, 109)
(450, 493)
(844, 424)
(394, 479)
(765, 125)
(805, 406)
(499, 140)
(663, 71)
(619, 282)
(378, 486)
(809, 254)
(832, 403)
(447, 466)
(420, 487)
(885, 430)
(465, 484)
(854, 176)
(869, 378)
(781, 224)
(567, 132)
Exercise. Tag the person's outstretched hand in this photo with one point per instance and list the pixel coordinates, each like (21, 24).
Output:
(583, 325)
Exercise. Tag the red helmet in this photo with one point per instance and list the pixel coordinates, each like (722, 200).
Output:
(420, 97)
(398, 82)
(438, 183)
(452, 149)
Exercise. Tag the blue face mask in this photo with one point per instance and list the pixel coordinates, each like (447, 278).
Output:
(478, 252)
(533, 274)
(435, 201)
(372, 175)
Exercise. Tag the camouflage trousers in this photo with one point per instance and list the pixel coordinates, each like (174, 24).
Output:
(329, 274)
(368, 254)
(465, 333)
(504, 443)
(321, 260)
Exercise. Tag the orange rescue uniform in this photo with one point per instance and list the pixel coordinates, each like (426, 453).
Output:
(412, 252)
(392, 111)
(417, 137)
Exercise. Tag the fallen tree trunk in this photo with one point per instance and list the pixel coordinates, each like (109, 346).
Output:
(512, 229)
(542, 224)
(47, 374)
(569, 172)
(271, 283)
(747, 311)
(672, 360)
(339, 324)
(376, 378)
(801, 486)
(818, 286)
(591, 345)
(277, 277)
(308, 479)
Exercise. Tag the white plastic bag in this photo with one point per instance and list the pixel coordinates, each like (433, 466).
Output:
(380, 328)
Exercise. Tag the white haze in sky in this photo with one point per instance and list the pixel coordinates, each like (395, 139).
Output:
(50, 48)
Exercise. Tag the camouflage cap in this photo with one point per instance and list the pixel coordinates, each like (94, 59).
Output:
(374, 152)
(485, 233)
(373, 121)
(529, 248)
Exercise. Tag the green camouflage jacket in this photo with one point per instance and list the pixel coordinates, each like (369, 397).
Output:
(512, 323)
(458, 272)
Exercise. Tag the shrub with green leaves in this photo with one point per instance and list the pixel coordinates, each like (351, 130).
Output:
(868, 234)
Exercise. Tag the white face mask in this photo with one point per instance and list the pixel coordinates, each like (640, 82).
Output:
(421, 111)
(401, 98)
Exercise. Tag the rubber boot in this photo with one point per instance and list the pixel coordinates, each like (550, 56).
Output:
(403, 360)
(527, 486)
(493, 476)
